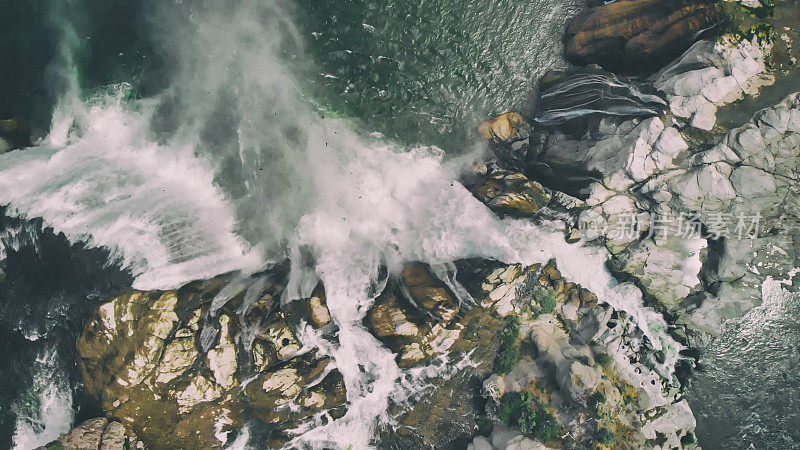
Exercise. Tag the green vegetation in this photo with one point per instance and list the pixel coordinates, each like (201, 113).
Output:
(604, 359)
(507, 354)
(55, 446)
(518, 409)
(546, 299)
(509, 334)
(605, 436)
(506, 360)
(529, 293)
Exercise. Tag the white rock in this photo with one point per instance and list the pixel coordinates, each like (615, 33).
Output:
(676, 417)
(722, 90)
(705, 116)
(750, 182)
(670, 142)
(480, 443)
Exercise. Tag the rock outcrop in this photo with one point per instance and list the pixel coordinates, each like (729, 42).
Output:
(712, 74)
(638, 35)
(99, 434)
(507, 192)
(172, 366)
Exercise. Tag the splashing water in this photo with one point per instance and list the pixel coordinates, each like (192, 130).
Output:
(230, 164)
(54, 398)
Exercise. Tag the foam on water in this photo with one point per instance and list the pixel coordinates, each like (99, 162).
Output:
(53, 415)
(107, 183)
(248, 166)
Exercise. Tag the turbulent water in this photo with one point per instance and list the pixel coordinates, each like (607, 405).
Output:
(217, 136)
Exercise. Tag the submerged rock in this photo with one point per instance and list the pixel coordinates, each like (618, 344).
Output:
(638, 35)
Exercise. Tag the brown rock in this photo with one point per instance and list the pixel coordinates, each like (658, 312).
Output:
(506, 127)
(638, 35)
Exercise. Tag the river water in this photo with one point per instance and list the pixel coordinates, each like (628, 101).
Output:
(184, 139)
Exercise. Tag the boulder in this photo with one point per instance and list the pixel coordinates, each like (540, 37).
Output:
(510, 193)
(100, 434)
(171, 365)
(637, 35)
(507, 127)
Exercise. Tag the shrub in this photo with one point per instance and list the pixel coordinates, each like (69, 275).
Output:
(518, 409)
(509, 334)
(547, 300)
(688, 439)
(605, 436)
(505, 360)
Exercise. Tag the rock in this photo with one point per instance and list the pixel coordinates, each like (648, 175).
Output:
(319, 314)
(97, 433)
(577, 379)
(637, 35)
(570, 97)
(712, 74)
(672, 422)
(480, 443)
(161, 364)
(511, 193)
(506, 128)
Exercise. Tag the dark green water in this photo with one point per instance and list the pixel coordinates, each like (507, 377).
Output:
(427, 72)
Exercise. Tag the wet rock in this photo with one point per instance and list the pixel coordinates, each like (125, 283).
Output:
(506, 128)
(637, 35)
(510, 193)
(568, 99)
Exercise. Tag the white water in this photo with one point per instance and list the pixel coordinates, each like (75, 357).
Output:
(53, 413)
(217, 192)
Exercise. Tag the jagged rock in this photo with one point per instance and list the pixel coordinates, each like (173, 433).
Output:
(506, 128)
(170, 365)
(672, 422)
(713, 74)
(510, 193)
(94, 434)
(637, 35)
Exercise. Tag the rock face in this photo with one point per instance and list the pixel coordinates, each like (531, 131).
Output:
(583, 361)
(171, 365)
(712, 74)
(637, 35)
(569, 98)
(416, 317)
(100, 434)
(507, 192)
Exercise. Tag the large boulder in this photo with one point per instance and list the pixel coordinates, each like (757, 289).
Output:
(172, 365)
(638, 35)
(96, 434)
